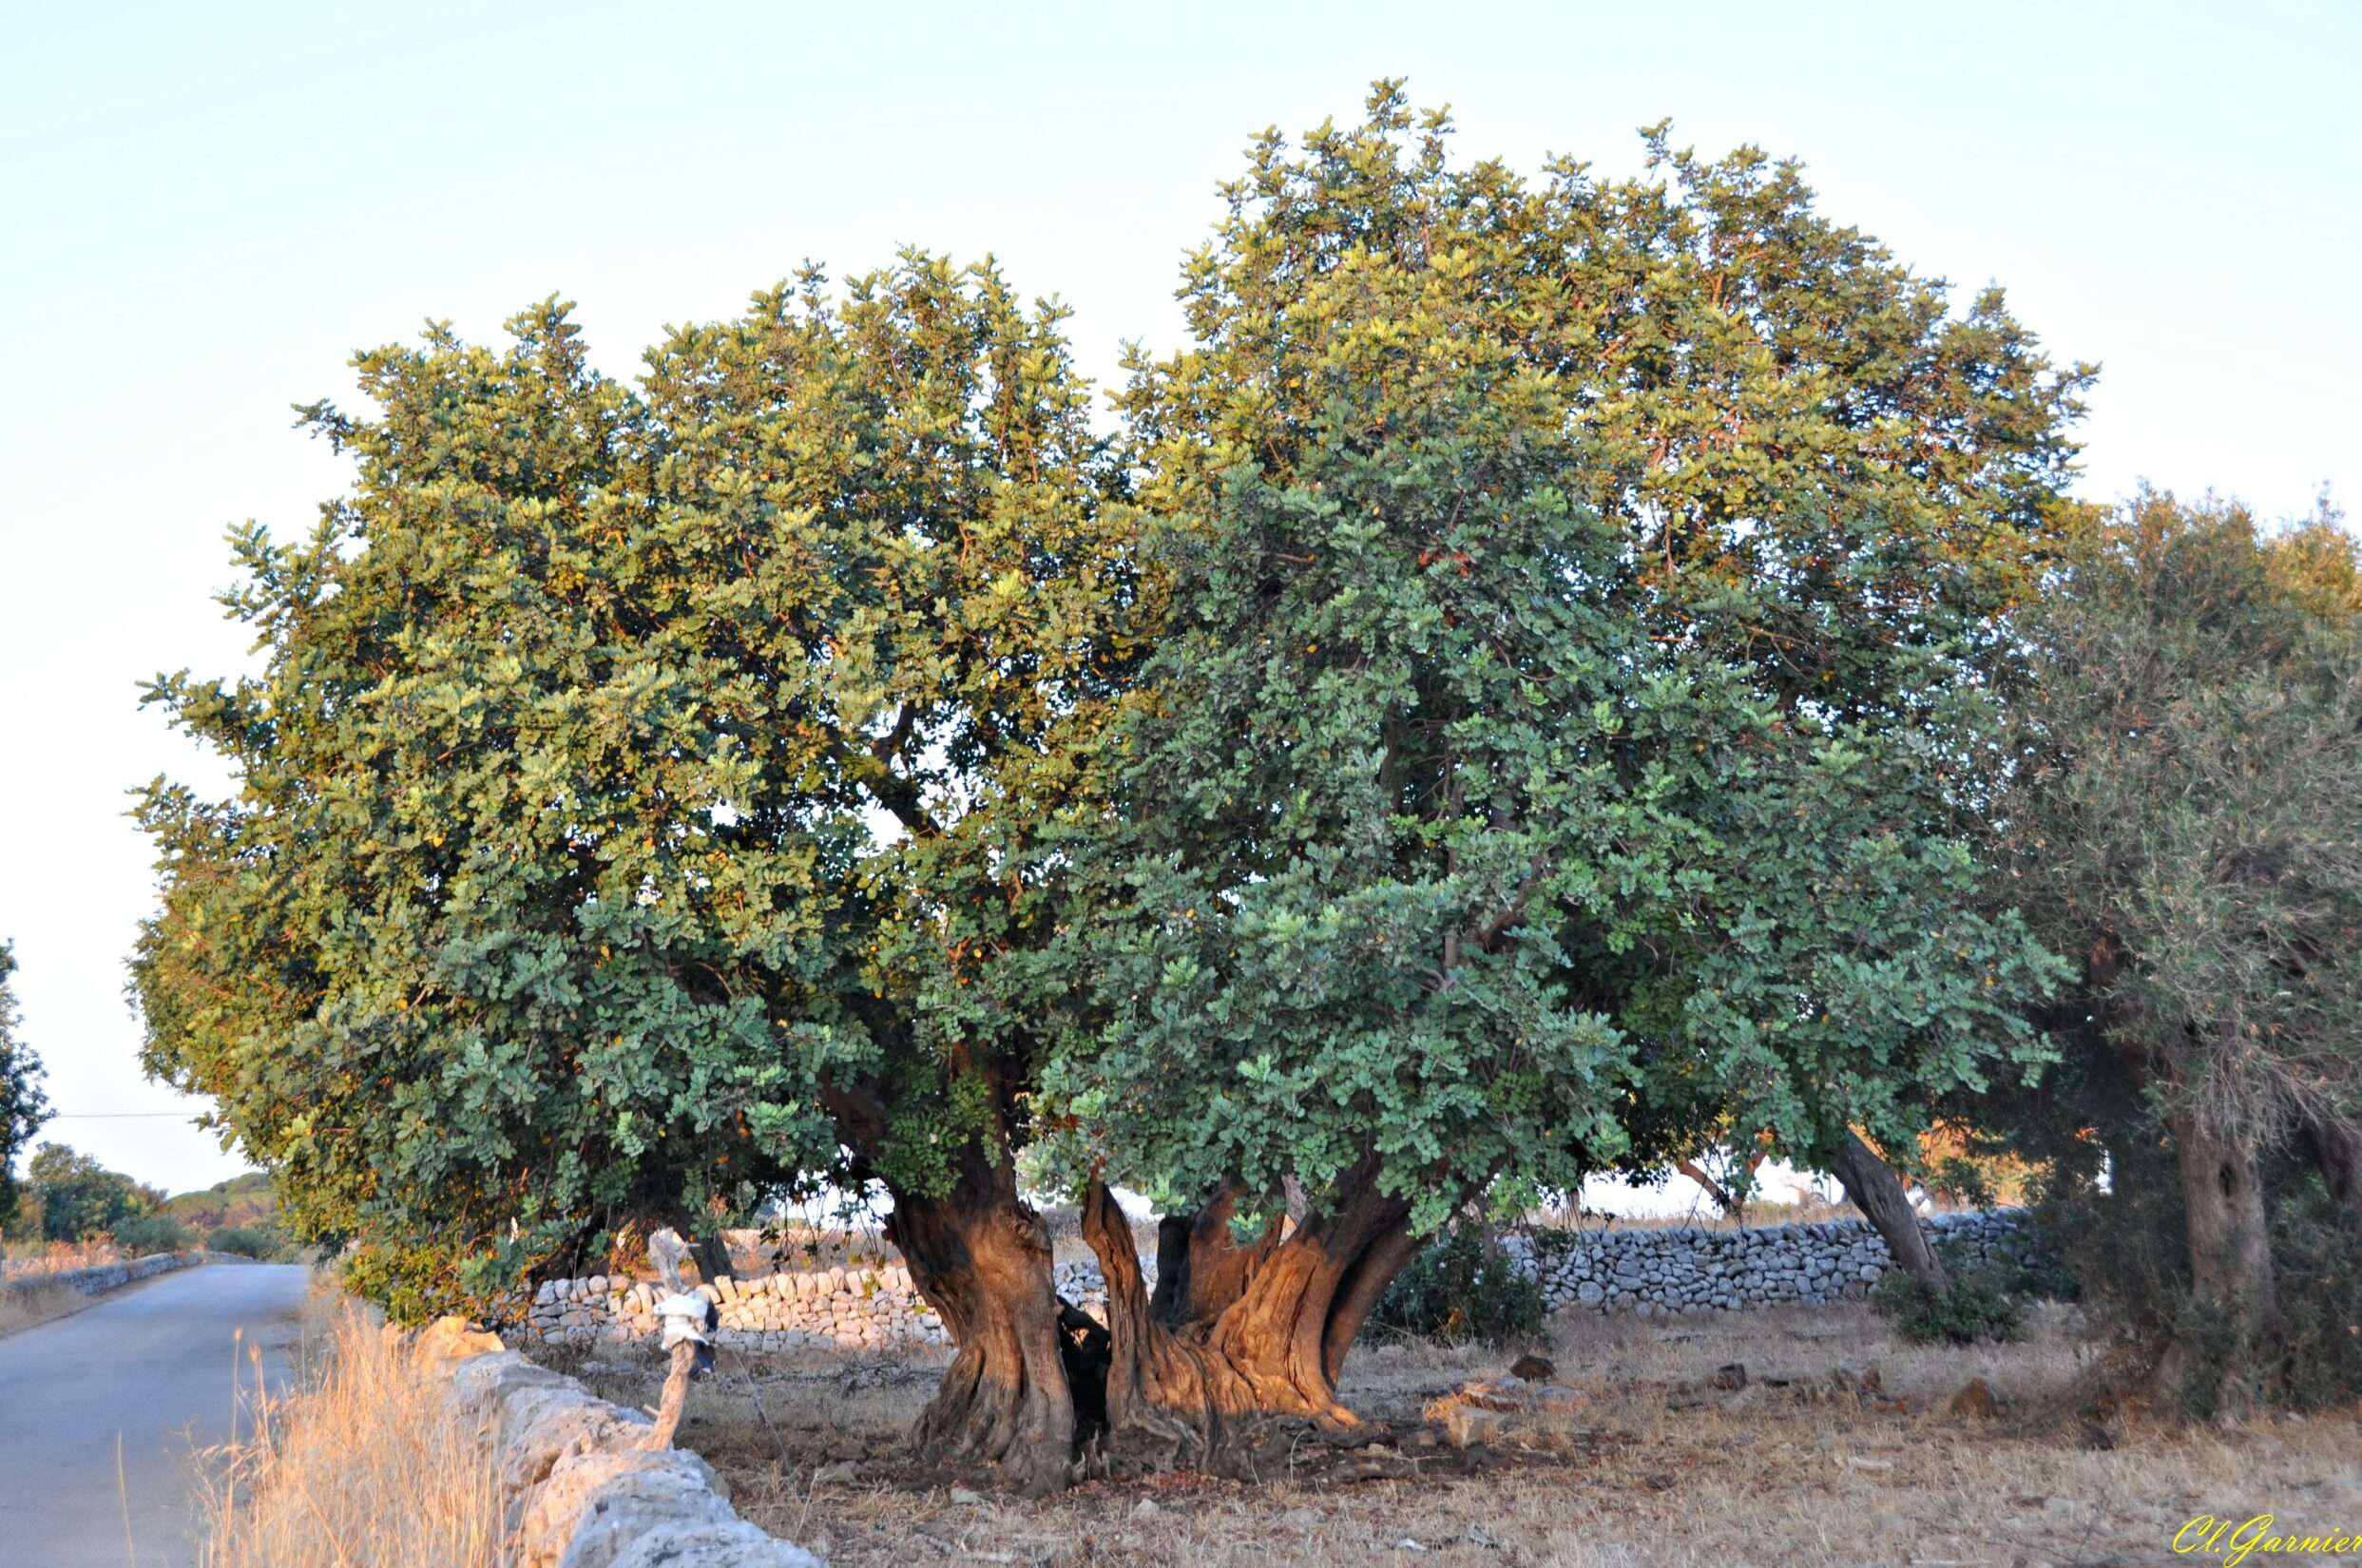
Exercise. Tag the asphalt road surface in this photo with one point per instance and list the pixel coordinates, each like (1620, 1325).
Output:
(150, 1365)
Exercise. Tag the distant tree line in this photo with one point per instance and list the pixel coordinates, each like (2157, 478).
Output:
(24, 1106)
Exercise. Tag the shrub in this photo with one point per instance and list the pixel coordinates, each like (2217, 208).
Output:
(246, 1241)
(2131, 1256)
(1986, 1302)
(151, 1234)
(1464, 1287)
(2316, 1250)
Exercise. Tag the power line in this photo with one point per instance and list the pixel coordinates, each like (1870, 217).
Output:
(117, 1116)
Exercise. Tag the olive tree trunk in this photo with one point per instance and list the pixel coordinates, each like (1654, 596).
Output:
(2336, 1147)
(2231, 1277)
(1879, 1194)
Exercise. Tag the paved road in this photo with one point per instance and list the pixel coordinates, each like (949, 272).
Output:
(150, 1365)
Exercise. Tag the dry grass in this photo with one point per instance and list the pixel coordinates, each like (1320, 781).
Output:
(1658, 1469)
(58, 1257)
(358, 1466)
(37, 1304)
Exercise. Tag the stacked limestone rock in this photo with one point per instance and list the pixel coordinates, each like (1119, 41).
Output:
(579, 1484)
(843, 1309)
(103, 1277)
(1079, 1282)
(1683, 1269)
(1647, 1271)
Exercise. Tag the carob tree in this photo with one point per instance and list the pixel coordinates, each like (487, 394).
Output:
(745, 783)
(637, 799)
(1531, 703)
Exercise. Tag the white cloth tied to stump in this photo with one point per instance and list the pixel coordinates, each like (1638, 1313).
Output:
(684, 1317)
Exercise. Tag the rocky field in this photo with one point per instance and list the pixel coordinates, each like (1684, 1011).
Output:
(1776, 1437)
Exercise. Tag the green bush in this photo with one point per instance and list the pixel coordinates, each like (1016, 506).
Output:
(1986, 1303)
(2135, 1267)
(151, 1234)
(252, 1241)
(2317, 1252)
(1464, 1287)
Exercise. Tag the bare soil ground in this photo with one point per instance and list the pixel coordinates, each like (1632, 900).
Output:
(1657, 1466)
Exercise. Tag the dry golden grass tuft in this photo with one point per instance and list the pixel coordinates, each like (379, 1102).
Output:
(358, 1467)
(58, 1257)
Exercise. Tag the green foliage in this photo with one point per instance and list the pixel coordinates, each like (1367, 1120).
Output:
(640, 789)
(1464, 1285)
(153, 1232)
(2190, 812)
(242, 1199)
(81, 1200)
(23, 1106)
(265, 1244)
(1512, 700)
(1981, 1306)
(1559, 739)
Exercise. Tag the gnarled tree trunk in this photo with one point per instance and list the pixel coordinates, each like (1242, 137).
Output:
(1879, 1194)
(1243, 1351)
(2230, 1254)
(1200, 1266)
(1007, 1405)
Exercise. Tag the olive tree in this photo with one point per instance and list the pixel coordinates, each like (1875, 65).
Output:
(23, 1105)
(2185, 821)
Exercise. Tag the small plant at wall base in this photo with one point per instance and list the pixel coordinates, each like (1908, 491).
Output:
(1466, 1286)
(1986, 1303)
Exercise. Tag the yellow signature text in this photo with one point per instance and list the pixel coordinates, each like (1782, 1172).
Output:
(2232, 1540)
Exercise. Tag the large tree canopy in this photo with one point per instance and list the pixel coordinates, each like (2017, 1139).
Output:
(1535, 732)
(637, 777)
(1580, 594)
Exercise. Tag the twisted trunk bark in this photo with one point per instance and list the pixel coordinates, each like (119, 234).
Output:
(1007, 1404)
(1200, 1266)
(1879, 1194)
(1243, 1352)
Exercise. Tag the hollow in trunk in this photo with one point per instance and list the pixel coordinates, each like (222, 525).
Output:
(2231, 1280)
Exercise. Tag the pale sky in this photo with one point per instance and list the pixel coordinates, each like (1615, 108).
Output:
(204, 210)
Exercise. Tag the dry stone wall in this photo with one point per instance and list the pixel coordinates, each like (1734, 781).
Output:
(1684, 1268)
(843, 1308)
(105, 1276)
(582, 1488)
(1647, 1271)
